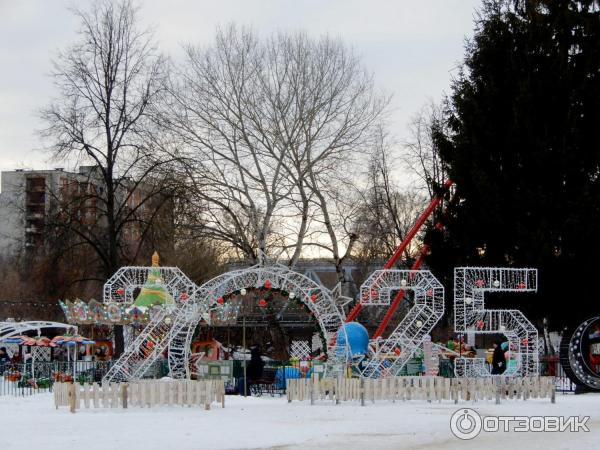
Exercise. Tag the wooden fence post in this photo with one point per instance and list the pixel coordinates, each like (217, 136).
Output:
(124, 387)
(362, 391)
(72, 394)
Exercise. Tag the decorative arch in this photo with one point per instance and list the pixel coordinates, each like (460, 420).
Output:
(173, 326)
(320, 301)
(11, 329)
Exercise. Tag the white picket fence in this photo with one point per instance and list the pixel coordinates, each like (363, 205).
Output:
(420, 388)
(143, 394)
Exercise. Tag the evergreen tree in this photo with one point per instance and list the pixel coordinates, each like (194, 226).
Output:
(524, 150)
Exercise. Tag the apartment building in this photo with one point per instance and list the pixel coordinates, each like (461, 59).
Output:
(30, 198)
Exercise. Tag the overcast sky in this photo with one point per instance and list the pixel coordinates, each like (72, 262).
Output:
(412, 47)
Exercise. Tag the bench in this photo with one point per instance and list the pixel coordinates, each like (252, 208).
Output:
(267, 383)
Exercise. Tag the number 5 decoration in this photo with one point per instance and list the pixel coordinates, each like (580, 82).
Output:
(470, 316)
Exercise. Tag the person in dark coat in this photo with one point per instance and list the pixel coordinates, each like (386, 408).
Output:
(254, 370)
(4, 358)
(498, 359)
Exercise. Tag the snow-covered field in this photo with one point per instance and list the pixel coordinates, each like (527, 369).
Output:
(33, 423)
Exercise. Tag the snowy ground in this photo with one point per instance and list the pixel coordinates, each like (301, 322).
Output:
(32, 422)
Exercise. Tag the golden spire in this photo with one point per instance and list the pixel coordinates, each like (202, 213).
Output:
(155, 259)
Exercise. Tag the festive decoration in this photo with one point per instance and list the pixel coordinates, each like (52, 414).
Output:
(470, 286)
(354, 339)
(120, 291)
(220, 300)
(262, 303)
(300, 350)
(580, 354)
(268, 284)
(184, 296)
(173, 337)
(313, 298)
(153, 291)
(243, 291)
(114, 312)
(428, 309)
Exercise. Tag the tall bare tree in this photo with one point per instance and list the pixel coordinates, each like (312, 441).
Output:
(109, 83)
(388, 211)
(421, 154)
(268, 125)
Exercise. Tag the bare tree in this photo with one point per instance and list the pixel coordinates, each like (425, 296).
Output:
(109, 83)
(421, 155)
(268, 125)
(388, 211)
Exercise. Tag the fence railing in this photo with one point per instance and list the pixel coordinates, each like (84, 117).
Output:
(24, 379)
(420, 388)
(143, 394)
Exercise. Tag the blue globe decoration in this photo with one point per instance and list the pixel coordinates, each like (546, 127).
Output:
(355, 340)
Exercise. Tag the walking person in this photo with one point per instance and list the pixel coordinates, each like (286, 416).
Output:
(498, 359)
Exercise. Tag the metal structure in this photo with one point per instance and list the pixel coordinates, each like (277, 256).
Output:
(398, 253)
(123, 286)
(391, 354)
(11, 329)
(300, 350)
(470, 316)
(580, 354)
(172, 327)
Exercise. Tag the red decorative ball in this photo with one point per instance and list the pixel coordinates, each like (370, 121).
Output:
(479, 283)
(480, 324)
(313, 298)
(525, 341)
(397, 351)
(429, 292)
(262, 303)
(120, 291)
(184, 296)
(220, 300)
(522, 285)
(439, 226)
(268, 284)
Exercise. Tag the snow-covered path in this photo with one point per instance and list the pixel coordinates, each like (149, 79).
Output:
(33, 423)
